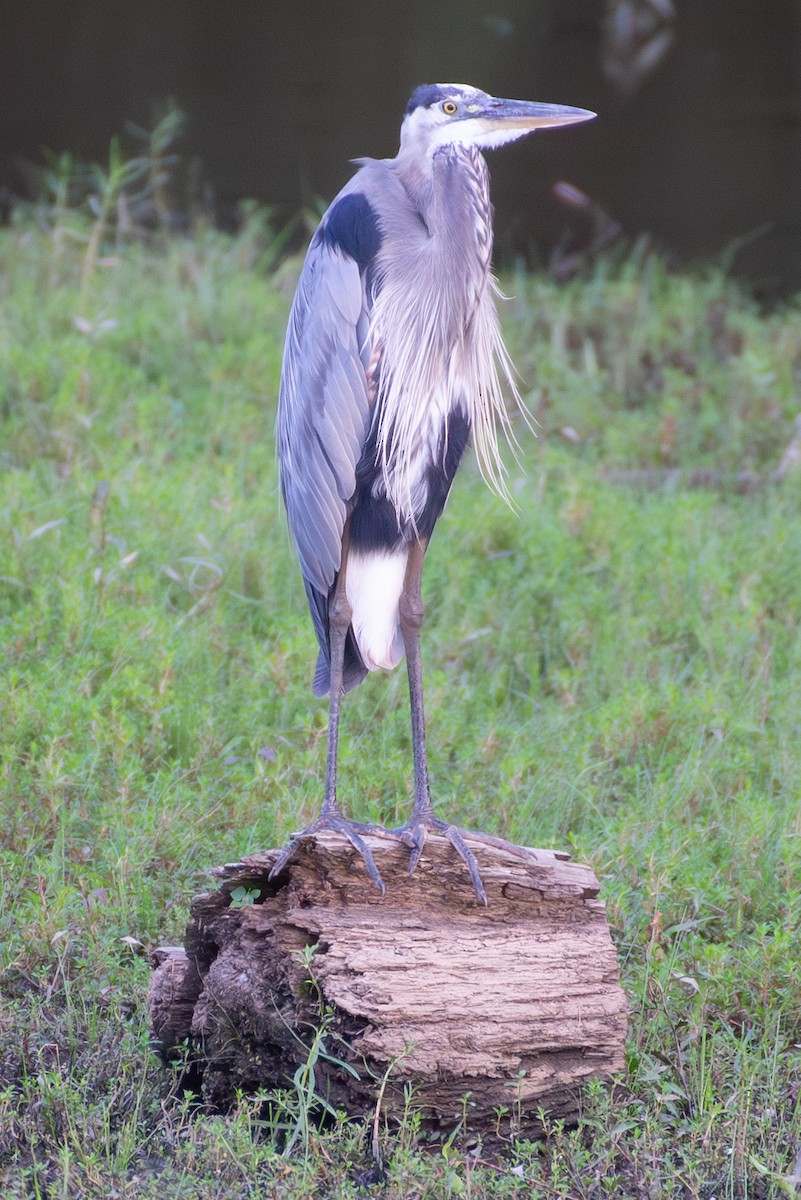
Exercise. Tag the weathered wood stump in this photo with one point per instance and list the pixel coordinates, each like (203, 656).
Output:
(517, 1004)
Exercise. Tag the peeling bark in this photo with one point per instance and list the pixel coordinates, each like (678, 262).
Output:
(517, 1004)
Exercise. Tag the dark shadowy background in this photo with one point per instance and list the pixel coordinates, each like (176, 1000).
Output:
(698, 139)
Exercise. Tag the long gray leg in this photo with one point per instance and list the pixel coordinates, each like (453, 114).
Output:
(411, 614)
(339, 618)
(331, 815)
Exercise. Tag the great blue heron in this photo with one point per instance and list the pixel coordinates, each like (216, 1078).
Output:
(394, 358)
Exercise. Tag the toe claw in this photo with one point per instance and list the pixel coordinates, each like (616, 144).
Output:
(414, 836)
(467, 856)
(367, 856)
(283, 859)
(339, 824)
(417, 841)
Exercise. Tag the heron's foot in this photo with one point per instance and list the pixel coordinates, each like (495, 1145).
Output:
(415, 832)
(337, 822)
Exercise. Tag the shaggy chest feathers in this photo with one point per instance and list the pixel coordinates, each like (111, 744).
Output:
(436, 351)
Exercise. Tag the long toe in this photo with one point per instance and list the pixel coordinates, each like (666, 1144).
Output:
(336, 822)
(349, 830)
(461, 847)
(284, 857)
(414, 834)
(416, 839)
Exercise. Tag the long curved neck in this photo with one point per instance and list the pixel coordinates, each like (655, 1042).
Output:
(434, 316)
(450, 190)
(461, 200)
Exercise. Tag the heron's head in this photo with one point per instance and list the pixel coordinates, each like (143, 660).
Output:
(441, 114)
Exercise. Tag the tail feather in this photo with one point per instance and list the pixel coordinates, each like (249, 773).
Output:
(354, 668)
(354, 671)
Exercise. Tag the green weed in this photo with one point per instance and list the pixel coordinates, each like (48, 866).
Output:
(638, 650)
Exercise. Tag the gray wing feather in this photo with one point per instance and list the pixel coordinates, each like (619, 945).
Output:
(323, 407)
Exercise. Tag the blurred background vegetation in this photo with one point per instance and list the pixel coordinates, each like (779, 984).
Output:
(635, 628)
(698, 140)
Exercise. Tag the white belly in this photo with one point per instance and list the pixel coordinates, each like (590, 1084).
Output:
(373, 583)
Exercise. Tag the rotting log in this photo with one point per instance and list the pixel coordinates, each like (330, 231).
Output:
(514, 1005)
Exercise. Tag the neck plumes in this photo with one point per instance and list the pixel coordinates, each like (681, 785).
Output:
(435, 322)
(461, 210)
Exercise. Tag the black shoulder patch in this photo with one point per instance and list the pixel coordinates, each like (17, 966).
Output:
(352, 227)
(439, 476)
(424, 97)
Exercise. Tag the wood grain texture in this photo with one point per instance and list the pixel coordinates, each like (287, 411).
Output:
(518, 1003)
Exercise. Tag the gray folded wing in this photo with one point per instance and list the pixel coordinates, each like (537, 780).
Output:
(323, 407)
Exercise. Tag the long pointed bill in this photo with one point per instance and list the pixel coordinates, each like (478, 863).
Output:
(524, 115)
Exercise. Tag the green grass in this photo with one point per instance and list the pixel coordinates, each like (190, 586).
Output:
(611, 670)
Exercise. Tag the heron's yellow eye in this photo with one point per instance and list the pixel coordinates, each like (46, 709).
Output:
(449, 107)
